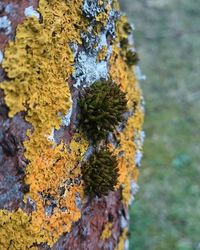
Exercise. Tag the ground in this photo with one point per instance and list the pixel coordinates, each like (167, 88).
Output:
(166, 212)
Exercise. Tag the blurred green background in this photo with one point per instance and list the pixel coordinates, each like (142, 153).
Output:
(166, 211)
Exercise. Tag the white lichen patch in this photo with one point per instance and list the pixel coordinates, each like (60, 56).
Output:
(30, 12)
(9, 8)
(65, 122)
(51, 137)
(66, 119)
(102, 40)
(92, 8)
(1, 56)
(134, 190)
(126, 246)
(123, 222)
(134, 187)
(5, 25)
(88, 70)
(139, 140)
(138, 158)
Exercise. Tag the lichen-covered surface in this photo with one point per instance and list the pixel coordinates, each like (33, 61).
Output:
(51, 52)
(12, 13)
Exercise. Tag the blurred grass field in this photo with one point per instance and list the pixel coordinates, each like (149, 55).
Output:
(166, 211)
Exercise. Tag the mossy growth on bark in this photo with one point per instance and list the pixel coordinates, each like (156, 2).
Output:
(132, 57)
(127, 28)
(101, 109)
(59, 55)
(100, 173)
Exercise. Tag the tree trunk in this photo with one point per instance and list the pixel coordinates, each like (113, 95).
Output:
(71, 113)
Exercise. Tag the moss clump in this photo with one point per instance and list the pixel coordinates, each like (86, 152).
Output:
(124, 44)
(100, 173)
(127, 28)
(101, 109)
(132, 58)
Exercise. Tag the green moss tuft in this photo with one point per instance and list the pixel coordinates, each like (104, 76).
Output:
(127, 28)
(101, 109)
(100, 173)
(124, 44)
(132, 58)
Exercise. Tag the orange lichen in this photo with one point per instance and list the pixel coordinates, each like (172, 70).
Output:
(128, 170)
(55, 184)
(123, 75)
(53, 176)
(39, 63)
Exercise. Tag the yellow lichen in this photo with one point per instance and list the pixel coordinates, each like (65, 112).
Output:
(55, 180)
(124, 30)
(39, 63)
(15, 229)
(102, 17)
(128, 170)
(122, 239)
(120, 28)
(123, 75)
(102, 53)
(107, 231)
(116, 5)
(56, 171)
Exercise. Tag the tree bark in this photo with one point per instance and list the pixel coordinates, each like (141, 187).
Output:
(88, 41)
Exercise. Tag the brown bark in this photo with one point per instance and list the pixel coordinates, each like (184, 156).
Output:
(85, 233)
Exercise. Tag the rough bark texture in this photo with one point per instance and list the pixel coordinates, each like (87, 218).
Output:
(12, 130)
(103, 221)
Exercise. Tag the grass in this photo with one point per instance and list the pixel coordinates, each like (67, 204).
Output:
(166, 212)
